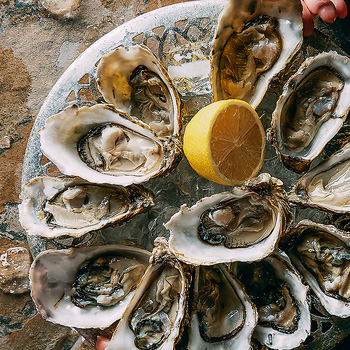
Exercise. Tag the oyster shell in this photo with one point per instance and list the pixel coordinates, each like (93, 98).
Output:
(322, 254)
(311, 110)
(276, 289)
(102, 145)
(224, 317)
(134, 80)
(53, 207)
(253, 41)
(242, 225)
(92, 286)
(327, 186)
(154, 316)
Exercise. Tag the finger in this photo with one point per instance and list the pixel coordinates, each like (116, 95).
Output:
(328, 13)
(102, 343)
(340, 7)
(307, 20)
(324, 8)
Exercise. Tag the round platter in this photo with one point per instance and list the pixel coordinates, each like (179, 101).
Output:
(180, 36)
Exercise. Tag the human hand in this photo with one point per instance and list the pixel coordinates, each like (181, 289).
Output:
(327, 10)
(102, 343)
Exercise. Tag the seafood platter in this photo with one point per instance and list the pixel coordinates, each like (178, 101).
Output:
(131, 244)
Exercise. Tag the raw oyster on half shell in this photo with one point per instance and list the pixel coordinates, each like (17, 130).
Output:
(87, 287)
(242, 225)
(53, 207)
(276, 289)
(134, 80)
(327, 186)
(254, 40)
(223, 317)
(322, 254)
(102, 145)
(311, 110)
(154, 318)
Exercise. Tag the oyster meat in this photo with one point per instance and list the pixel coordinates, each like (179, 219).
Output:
(92, 286)
(327, 186)
(280, 297)
(254, 40)
(134, 80)
(103, 145)
(53, 207)
(242, 225)
(224, 316)
(154, 317)
(322, 254)
(311, 109)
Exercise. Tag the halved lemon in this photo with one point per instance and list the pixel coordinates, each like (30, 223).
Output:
(225, 142)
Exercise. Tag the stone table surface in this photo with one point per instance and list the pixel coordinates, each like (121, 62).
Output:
(36, 47)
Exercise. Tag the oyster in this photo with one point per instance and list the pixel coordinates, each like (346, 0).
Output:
(91, 287)
(311, 110)
(224, 316)
(154, 316)
(322, 254)
(253, 41)
(102, 145)
(242, 225)
(280, 297)
(53, 207)
(327, 186)
(133, 80)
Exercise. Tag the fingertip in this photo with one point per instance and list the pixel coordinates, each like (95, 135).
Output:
(341, 8)
(327, 13)
(102, 343)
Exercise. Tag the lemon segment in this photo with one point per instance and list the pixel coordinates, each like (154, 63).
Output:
(225, 142)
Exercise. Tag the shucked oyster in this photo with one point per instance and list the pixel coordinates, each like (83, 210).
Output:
(135, 82)
(87, 287)
(280, 297)
(322, 254)
(242, 225)
(327, 186)
(253, 41)
(102, 145)
(223, 317)
(154, 317)
(54, 207)
(313, 105)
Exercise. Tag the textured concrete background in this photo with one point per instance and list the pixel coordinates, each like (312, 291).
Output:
(36, 46)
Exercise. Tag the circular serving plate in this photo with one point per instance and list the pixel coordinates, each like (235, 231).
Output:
(180, 36)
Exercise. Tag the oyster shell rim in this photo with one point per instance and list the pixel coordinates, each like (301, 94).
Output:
(27, 208)
(333, 306)
(260, 6)
(110, 315)
(296, 161)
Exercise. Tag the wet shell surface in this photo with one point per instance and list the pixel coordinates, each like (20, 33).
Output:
(102, 145)
(311, 110)
(254, 40)
(327, 186)
(276, 289)
(134, 80)
(86, 287)
(322, 255)
(224, 316)
(155, 315)
(53, 207)
(242, 225)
